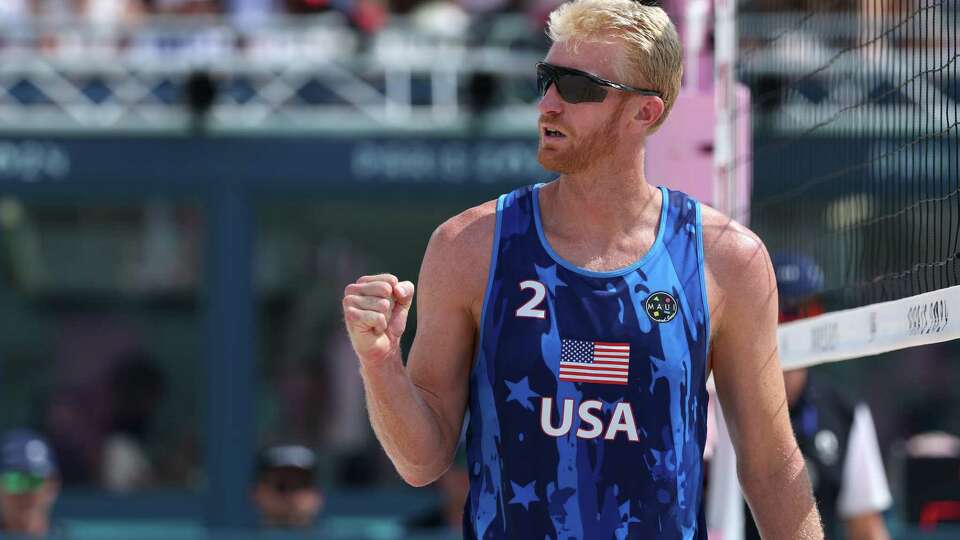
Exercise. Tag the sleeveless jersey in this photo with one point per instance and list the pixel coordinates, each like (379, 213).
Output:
(587, 407)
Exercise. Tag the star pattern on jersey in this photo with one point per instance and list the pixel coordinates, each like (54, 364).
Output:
(521, 393)
(548, 276)
(524, 494)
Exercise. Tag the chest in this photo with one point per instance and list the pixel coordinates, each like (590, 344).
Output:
(544, 320)
(607, 255)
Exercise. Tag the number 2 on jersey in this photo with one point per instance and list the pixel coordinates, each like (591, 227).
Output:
(531, 308)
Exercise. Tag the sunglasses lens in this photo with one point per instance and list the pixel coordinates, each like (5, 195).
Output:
(568, 88)
(543, 80)
(572, 87)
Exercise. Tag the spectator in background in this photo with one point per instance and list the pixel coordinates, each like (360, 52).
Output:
(112, 12)
(29, 484)
(313, 373)
(839, 442)
(285, 489)
(136, 387)
(74, 434)
(185, 7)
(367, 16)
(440, 18)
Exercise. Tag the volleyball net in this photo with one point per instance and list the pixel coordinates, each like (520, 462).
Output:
(855, 108)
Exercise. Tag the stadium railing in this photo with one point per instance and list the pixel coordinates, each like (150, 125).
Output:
(289, 72)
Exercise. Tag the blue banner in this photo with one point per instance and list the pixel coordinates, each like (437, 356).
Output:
(262, 162)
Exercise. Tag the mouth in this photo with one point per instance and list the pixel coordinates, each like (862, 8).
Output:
(551, 133)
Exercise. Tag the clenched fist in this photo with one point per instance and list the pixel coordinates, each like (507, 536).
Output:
(375, 309)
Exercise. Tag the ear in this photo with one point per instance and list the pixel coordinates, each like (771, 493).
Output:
(649, 110)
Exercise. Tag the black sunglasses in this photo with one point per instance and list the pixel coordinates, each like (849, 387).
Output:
(577, 86)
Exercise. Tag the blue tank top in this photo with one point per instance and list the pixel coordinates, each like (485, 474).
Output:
(587, 407)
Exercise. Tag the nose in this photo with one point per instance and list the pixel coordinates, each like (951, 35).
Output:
(551, 102)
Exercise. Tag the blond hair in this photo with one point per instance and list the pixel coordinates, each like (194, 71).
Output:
(654, 58)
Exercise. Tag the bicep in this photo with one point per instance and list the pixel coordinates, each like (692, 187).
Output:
(747, 370)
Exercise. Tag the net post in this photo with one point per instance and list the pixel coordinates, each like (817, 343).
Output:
(725, 506)
(725, 98)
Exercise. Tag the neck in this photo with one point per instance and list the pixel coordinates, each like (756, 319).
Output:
(609, 197)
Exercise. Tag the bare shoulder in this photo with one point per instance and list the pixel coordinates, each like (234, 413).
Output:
(466, 238)
(736, 260)
(466, 228)
(730, 248)
(458, 255)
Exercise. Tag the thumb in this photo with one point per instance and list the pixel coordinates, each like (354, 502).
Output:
(403, 297)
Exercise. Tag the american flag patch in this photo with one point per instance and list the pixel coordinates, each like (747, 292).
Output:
(594, 361)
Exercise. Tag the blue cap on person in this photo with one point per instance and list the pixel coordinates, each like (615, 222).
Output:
(798, 275)
(25, 451)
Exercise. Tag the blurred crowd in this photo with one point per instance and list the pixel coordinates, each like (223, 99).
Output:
(370, 14)
(241, 24)
(367, 16)
(262, 28)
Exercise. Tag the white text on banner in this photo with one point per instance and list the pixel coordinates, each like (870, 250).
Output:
(918, 320)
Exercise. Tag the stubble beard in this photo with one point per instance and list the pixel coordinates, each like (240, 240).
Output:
(593, 147)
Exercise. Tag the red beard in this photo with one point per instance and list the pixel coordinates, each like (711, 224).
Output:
(578, 155)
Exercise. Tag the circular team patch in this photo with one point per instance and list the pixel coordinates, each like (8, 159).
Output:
(661, 306)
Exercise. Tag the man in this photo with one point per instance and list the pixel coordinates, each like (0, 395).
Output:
(573, 320)
(28, 483)
(835, 434)
(285, 489)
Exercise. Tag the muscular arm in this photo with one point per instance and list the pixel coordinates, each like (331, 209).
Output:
(417, 411)
(749, 382)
